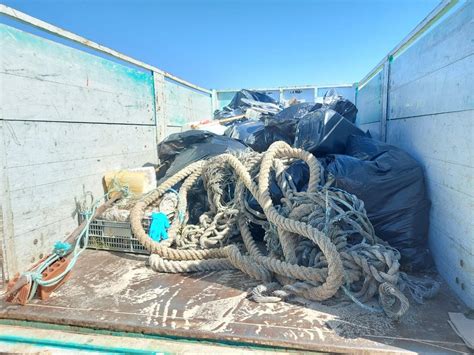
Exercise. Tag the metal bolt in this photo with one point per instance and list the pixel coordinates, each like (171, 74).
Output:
(461, 262)
(457, 280)
(35, 241)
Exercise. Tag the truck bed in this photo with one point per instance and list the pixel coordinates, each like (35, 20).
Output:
(116, 291)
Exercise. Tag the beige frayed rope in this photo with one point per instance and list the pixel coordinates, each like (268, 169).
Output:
(318, 241)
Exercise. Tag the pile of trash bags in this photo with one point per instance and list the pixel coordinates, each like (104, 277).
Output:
(387, 179)
(320, 128)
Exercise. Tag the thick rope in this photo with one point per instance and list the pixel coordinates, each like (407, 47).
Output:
(317, 241)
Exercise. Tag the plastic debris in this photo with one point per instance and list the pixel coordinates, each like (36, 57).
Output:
(339, 104)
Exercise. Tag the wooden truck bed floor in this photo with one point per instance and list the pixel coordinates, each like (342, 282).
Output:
(116, 291)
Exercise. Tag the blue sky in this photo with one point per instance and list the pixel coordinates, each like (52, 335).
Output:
(233, 44)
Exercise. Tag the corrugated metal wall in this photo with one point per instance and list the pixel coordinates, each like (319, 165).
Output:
(431, 115)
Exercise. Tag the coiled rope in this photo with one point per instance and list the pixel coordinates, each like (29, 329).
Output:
(319, 241)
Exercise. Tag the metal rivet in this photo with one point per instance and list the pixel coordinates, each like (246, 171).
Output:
(461, 262)
(41, 256)
(457, 280)
(35, 241)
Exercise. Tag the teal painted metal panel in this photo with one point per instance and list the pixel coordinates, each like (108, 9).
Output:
(274, 94)
(435, 75)
(183, 105)
(54, 80)
(369, 101)
(48, 345)
(69, 116)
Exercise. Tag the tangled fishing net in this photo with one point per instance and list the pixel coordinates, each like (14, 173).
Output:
(318, 243)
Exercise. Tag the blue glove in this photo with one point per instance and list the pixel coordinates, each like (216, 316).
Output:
(159, 225)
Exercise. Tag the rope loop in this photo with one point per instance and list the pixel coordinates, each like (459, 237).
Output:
(318, 240)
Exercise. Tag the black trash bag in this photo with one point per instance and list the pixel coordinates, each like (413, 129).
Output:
(175, 143)
(367, 148)
(297, 174)
(241, 102)
(391, 184)
(324, 131)
(256, 135)
(238, 100)
(257, 231)
(228, 113)
(292, 113)
(202, 148)
(341, 105)
(283, 124)
(251, 132)
(197, 201)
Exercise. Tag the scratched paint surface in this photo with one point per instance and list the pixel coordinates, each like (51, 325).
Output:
(118, 292)
(20, 42)
(56, 82)
(67, 118)
(431, 111)
(184, 105)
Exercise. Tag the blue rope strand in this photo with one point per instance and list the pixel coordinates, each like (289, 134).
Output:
(61, 249)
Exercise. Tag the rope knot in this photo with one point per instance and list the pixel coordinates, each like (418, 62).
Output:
(33, 276)
(61, 249)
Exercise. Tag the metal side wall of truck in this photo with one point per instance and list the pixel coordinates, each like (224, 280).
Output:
(72, 109)
(68, 116)
(423, 101)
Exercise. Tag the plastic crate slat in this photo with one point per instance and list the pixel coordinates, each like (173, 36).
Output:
(115, 236)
